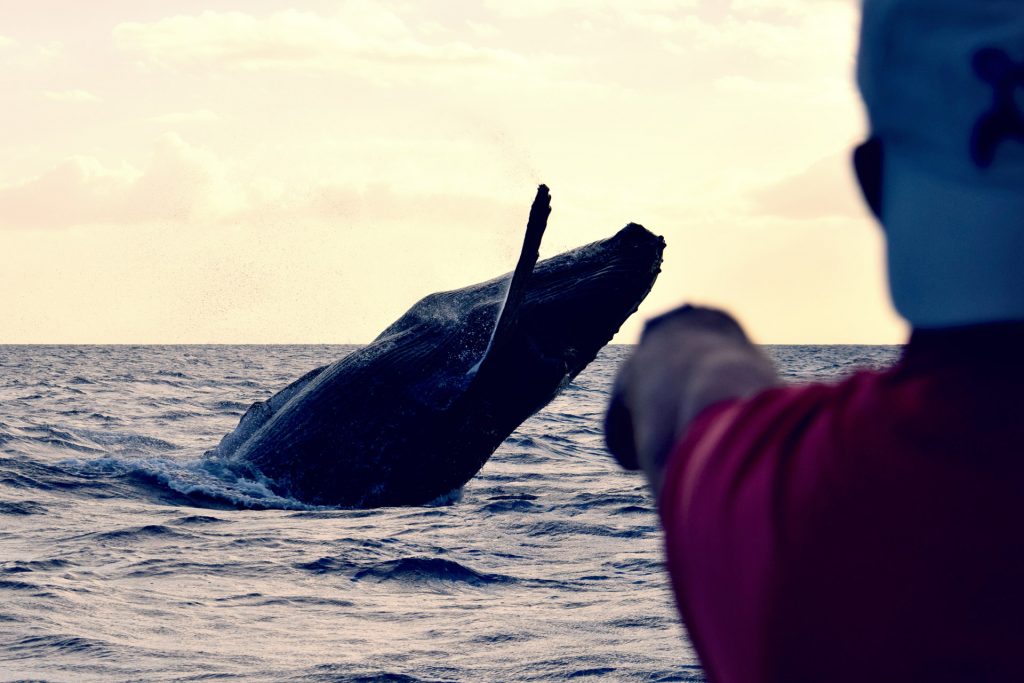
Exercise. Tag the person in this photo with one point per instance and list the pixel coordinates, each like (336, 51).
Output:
(873, 529)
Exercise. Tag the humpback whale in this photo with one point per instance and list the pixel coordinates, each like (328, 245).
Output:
(415, 414)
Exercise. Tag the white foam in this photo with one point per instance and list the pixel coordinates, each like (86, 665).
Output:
(208, 477)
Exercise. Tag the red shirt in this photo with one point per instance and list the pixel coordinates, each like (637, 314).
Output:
(865, 531)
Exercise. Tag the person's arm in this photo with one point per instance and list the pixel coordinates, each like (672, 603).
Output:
(687, 360)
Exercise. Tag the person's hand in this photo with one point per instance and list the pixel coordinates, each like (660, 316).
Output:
(687, 360)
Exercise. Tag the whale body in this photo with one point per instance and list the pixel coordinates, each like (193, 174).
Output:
(415, 414)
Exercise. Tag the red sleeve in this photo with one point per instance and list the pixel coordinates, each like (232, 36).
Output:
(720, 508)
(690, 455)
(850, 531)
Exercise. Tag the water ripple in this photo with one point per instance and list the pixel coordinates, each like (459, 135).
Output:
(126, 556)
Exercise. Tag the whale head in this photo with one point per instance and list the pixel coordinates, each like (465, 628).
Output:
(573, 305)
(577, 301)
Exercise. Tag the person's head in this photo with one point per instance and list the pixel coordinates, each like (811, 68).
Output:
(943, 83)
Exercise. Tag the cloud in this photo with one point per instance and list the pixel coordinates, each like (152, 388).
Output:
(826, 189)
(790, 8)
(74, 96)
(180, 183)
(186, 185)
(14, 54)
(791, 93)
(655, 16)
(546, 8)
(364, 39)
(773, 28)
(782, 31)
(195, 116)
(381, 203)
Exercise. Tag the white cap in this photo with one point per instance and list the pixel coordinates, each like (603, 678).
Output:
(943, 82)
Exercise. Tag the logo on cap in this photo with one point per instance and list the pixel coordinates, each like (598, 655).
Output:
(1004, 121)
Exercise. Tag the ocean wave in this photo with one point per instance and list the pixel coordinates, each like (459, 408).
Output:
(203, 482)
(634, 510)
(501, 637)
(19, 566)
(407, 570)
(328, 565)
(43, 646)
(592, 673)
(640, 565)
(335, 513)
(199, 519)
(588, 501)
(61, 439)
(646, 622)
(55, 441)
(111, 441)
(501, 495)
(178, 414)
(428, 570)
(549, 569)
(26, 474)
(138, 532)
(229, 406)
(513, 505)
(173, 373)
(304, 601)
(21, 507)
(341, 673)
(558, 527)
(151, 569)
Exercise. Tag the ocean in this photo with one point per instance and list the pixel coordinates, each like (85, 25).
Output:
(124, 556)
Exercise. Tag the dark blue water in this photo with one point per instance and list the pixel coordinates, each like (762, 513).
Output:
(123, 556)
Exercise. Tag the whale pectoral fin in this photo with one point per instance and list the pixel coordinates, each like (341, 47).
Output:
(535, 226)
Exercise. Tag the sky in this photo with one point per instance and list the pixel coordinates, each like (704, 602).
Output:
(274, 171)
